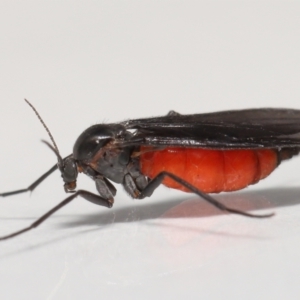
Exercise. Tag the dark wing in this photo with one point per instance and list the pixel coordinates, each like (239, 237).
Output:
(253, 128)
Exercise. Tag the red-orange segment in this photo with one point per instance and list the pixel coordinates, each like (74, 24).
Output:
(211, 171)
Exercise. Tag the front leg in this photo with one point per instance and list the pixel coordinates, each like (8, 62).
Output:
(106, 198)
(82, 193)
(105, 189)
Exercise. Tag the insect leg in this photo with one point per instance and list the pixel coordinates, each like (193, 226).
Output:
(84, 194)
(32, 186)
(156, 181)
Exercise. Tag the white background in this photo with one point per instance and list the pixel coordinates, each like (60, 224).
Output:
(85, 62)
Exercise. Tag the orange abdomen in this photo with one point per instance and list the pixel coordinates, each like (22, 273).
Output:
(211, 171)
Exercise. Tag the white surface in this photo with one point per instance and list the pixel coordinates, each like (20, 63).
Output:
(85, 62)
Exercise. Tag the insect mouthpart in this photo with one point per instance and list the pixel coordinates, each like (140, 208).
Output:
(70, 187)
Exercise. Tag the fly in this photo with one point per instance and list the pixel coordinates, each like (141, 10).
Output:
(200, 153)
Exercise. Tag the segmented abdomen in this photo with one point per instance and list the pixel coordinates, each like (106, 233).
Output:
(211, 171)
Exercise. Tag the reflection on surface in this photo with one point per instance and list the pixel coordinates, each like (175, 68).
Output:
(190, 206)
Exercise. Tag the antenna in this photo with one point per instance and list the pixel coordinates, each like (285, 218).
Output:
(55, 148)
